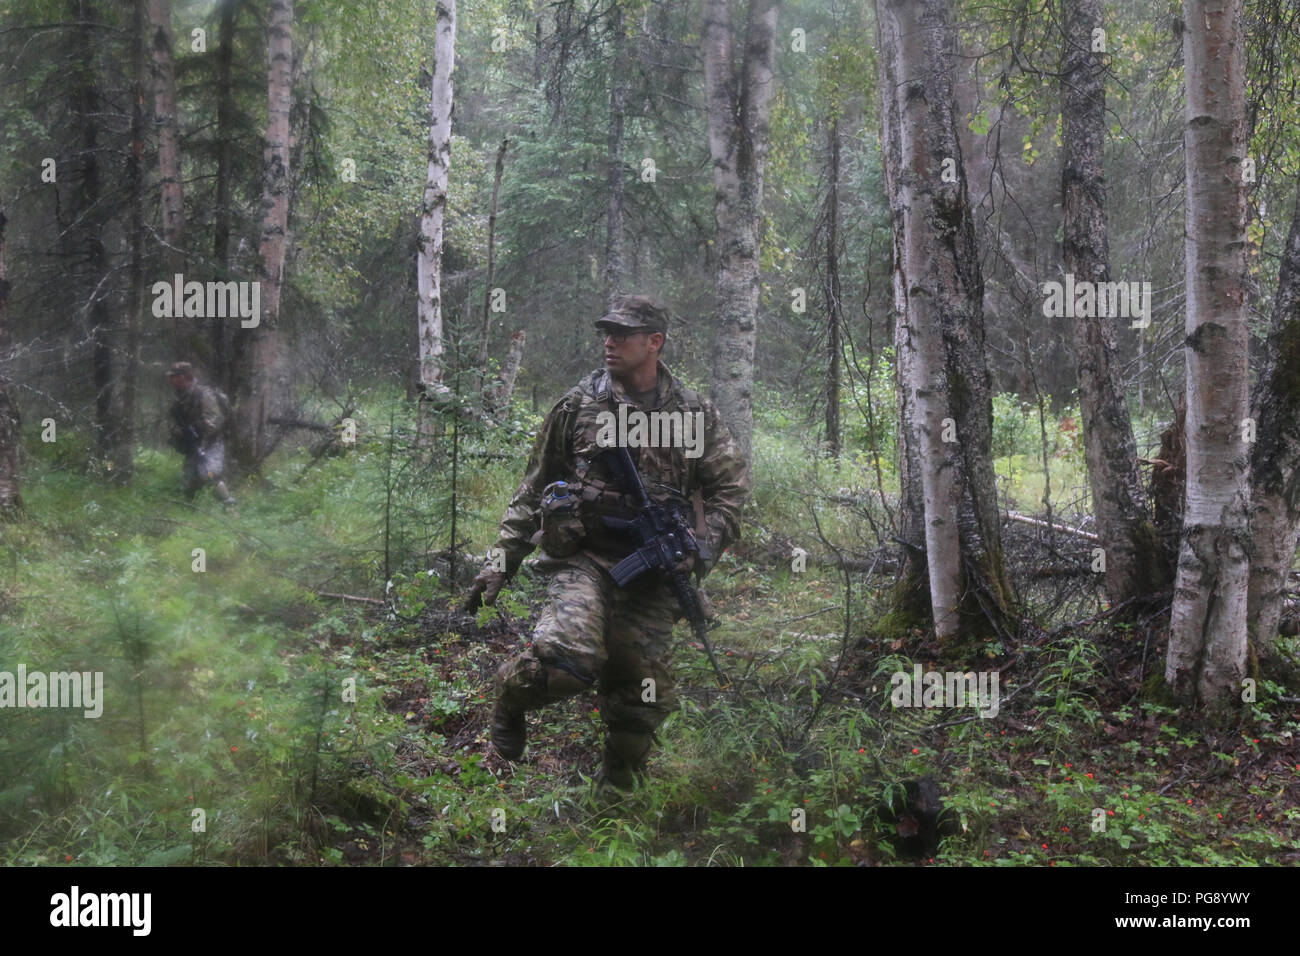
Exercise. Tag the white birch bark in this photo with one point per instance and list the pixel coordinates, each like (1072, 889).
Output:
(738, 104)
(259, 353)
(1207, 640)
(169, 148)
(429, 266)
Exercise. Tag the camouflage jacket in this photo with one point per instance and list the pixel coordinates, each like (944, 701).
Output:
(569, 447)
(201, 407)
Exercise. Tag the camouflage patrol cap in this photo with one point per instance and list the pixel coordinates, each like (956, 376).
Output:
(639, 313)
(181, 368)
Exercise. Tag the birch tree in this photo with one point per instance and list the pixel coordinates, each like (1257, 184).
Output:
(940, 326)
(738, 93)
(1207, 638)
(1134, 561)
(257, 348)
(429, 263)
(168, 122)
(834, 311)
(615, 172)
(218, 333)
(10, 421)
(911, 595)
(1275, 462)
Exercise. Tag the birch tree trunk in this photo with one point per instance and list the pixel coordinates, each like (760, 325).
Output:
(1275, 459)
(834, 314)
(258, 347)
(1207, 639)
(169, 145)
(218, 332)
(10, 420)
(940, 340)
(429, 267)
(911, 596)
(738, 103)
(429, 261)
(919, 341)
(1135, 562)
(616, 177)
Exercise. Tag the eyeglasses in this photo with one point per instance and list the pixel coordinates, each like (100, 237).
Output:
(619, 337)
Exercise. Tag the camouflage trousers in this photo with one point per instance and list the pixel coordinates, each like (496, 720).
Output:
(204, 466)
(594, 633)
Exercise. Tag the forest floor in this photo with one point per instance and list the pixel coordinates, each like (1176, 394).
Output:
(1075, 769)
(263, 706)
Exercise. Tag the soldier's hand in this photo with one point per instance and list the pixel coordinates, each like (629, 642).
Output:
(686, 565)
(484, 590)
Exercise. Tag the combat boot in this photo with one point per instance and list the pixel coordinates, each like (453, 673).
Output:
(509, 731)
(623, 763)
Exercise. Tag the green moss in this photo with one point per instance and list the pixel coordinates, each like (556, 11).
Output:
(899, 624)
(1157, 691)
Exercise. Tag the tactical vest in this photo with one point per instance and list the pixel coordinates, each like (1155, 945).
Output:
(189, 408)
(668, 474)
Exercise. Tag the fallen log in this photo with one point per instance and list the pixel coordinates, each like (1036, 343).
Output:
(299, 423)
(350, 597)
(1040, 523)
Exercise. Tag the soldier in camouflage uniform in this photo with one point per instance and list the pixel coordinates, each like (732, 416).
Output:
(199, 417)
(591, 632)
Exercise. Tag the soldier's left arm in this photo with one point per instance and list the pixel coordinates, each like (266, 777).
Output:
(545, 464)
(176, 417)
(723, 478)
(210, 416)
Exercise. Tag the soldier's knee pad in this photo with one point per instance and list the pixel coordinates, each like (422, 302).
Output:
(528, 681)
(521, 682)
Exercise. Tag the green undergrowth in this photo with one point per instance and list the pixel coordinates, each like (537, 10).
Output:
(309, 724)
(225, 673)
(803, 762)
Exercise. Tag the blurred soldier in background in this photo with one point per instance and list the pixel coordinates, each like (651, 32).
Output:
(199, 417)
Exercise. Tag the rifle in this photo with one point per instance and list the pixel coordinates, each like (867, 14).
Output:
(664, 541)
(189, 441)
